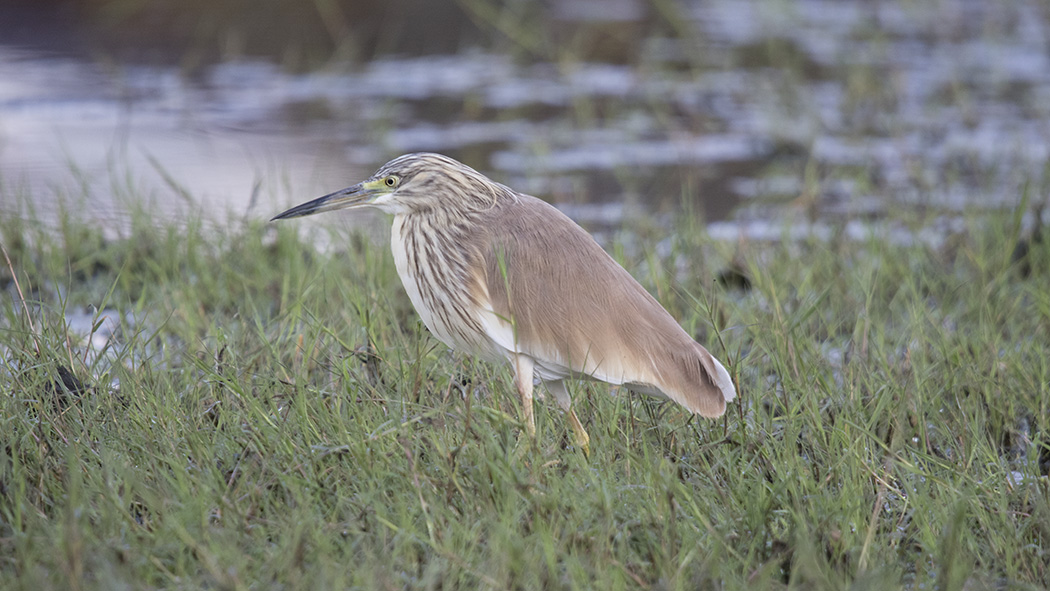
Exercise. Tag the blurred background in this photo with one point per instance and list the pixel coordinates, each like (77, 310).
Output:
(765, 116)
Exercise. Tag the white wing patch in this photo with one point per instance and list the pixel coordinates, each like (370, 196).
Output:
(498, 330)
(724, 381)
(550, 364)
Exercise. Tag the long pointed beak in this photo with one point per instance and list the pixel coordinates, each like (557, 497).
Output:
(354, 196)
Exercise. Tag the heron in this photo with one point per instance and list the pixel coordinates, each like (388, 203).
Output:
(507, 277)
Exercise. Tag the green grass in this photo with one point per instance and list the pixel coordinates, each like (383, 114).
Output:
(274, 416)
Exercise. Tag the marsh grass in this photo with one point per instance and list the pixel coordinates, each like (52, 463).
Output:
(272, 415)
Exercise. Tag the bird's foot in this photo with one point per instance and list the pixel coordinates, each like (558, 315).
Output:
(583, 441)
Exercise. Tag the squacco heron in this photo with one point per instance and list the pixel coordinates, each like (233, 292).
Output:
(506, 276)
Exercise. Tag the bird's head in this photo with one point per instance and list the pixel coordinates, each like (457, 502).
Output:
(410, 184)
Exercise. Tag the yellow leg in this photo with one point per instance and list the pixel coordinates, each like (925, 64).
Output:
(523, 380)
(561, 393)
(582, 439)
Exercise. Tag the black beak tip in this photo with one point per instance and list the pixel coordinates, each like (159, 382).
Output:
(295, 212)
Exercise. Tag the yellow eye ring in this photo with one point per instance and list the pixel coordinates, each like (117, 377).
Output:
(390, 181)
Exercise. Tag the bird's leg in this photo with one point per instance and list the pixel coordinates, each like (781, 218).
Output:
(523, 380)
(561, 393)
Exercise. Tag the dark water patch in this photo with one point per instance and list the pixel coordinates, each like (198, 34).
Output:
(195, 33)
(781, 54)
(613, 31)
(42, 26)
(306, 112)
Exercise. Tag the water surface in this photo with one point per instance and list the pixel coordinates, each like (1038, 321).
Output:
(748, 113)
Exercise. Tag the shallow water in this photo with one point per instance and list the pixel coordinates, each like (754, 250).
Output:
(751, 113)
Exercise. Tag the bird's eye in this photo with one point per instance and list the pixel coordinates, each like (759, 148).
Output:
(391, 181)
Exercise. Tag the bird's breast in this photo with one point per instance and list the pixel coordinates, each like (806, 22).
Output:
(442, 287)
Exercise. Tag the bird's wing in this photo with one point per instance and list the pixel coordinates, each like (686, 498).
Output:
(556, 296)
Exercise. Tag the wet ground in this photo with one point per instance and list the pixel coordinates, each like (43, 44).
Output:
(822, 112)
